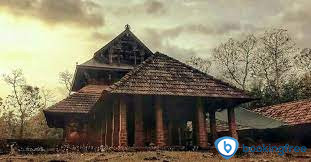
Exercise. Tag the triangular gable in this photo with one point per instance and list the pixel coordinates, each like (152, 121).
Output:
(126, 33)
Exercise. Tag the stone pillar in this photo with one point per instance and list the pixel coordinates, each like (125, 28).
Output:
(139, 125)
(159, 122)
(120, 123)
(123, 123)
(232, 124)
(201, 125)
(212, 121)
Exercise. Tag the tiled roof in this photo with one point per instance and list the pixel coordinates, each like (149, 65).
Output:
(292, 113)
(81, 101)
(163, 75)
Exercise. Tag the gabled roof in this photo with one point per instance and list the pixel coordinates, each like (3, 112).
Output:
(81, 101)
(97, 62)
(292, 113)
(163, 75)
(127, 31)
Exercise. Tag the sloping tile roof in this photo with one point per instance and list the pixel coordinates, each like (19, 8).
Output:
(292, 113)
(163, 75)
(81, 101)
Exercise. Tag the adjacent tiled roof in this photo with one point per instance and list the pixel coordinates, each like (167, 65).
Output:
(81, 101)
(163, 75)
(292, 113)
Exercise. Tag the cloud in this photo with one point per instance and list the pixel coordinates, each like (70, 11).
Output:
(99, 36)
(76, 12)
(204, 29)
(154, 7)
(143, 8)
(296, 18)
(158, 40)
(208, 29)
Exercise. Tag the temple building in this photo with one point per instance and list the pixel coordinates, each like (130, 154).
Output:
(126, 95)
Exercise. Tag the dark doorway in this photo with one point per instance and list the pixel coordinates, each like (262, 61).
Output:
(130, 125)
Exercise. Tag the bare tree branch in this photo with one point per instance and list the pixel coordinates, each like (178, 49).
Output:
(66, 79)
(303, 60)
(235, 57)
(199, 63)
(274, 58)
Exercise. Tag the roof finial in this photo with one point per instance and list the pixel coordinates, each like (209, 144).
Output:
(127, 27)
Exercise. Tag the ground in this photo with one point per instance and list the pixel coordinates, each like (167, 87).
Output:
(163, 156)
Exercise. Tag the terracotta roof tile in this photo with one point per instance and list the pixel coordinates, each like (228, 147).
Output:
(292, 113)
(81, 101)
(163, 75)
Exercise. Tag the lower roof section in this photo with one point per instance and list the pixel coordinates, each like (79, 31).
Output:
(81, 101)
(249, 119)
(291, 113)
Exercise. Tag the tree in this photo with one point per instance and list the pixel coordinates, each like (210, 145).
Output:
(274, 59)
(305, 83)
(24, 101)
(303, 60)
(66, 79)
(235, 58)
(8, 125)
(199, 63)
(48, 97)
(41, 129)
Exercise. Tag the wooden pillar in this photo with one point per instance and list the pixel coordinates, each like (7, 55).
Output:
(212, 121)
(110, 53)
(116, 122)
(170, 132)
(109, 127)
(139, 125)
(104, 127)
(201, 125)
(232, 123)
(159, 122)
(123, 123)
(65, 133)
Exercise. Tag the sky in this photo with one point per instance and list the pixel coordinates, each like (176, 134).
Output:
(45, 37)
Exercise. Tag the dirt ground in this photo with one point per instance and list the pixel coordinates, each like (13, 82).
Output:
(163, 156)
